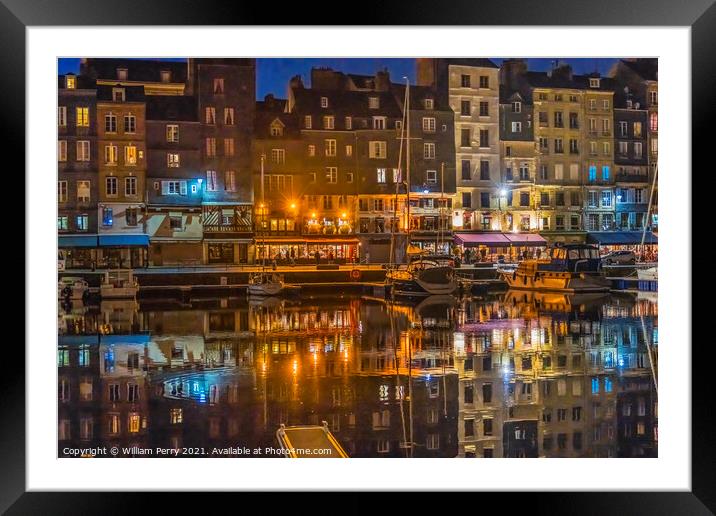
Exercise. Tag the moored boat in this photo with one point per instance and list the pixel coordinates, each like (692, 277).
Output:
(569, 268)
(650, 274)
(119, 283)
(73, 288)
(425, 276)
(265, 284)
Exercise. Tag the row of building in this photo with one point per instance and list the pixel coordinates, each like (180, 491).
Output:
(482, 379)
(172, 163)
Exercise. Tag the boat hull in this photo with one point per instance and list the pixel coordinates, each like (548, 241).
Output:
(430, 282)
(265, 289)
(650, 274)
(572, 282)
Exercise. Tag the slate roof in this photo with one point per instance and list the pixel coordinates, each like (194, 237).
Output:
(142, 70)
(131, 93)
(646, 68)
(172, 107)
(83, 82)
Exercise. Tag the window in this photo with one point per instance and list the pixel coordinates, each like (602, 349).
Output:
(61, 191)
(558, 146)
(487, 427)
(524, 199)
(543, 174)
(517, 107)
(373, 102)
(428, 150)
(379, 122)
(172, 160)
(218, 86)
(486, 393)
(573, 146)
(606, 199)
(606, 148)
(130, 215)
(110, 123)
(62, 116)
(172, 133)
(130, 155)
(464, 108)
(544, 145)
(110, 154)
(485, 199)
(428, 103)
(228, 146)
(428, 124)
(605, 172)
(592, 105)
(484, 109)
(484, 170)
(165, 76)
(107, 219)
(311, 150)
(130, 123)
(229, 116)
(593, 148)
(465, 137)
(574, 121)
(516, 127)
(592, 173)
(118, 94)
(62, 150)
(349, 150)
(543, 119)
(278, 156)
(654, 122)
(330, 147)
(175, 416)
(623, 148)
(324, 102)
(329, 122)
(594, 82)
(331, 175)
(466, 170)
(381, 175)
(349, 177)
(210, 115)
(83, 191)
(654, 145)
(307, 122)
(592, 199)
(653, 97)
(230, 181)
(62, 223)
(210, 147)
(558, 121)
(130, 186)
(544, 199)
(484, 138)
(605, 104)
(211, 180)
(484, 81)
(559, 171)
(432, 176)
(606, 125)
(465, 81)
(466, 200)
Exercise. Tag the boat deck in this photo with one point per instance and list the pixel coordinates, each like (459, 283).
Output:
(309, 442)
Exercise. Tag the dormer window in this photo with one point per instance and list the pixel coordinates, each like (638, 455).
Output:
(428, 103)
(122, 74)
(373, 102)
(70, 82)
(166, 75)
(517, 107)
(594, 82)
(118, 94)
(324, 102)
(276, 128)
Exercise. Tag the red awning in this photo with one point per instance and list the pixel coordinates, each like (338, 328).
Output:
(486, 239)
(526, 239)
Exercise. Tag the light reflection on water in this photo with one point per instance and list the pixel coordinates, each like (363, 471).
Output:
(510, 375)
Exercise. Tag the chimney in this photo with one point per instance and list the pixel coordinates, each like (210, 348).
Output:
(382, 80)
(295, 82)
(512, 73)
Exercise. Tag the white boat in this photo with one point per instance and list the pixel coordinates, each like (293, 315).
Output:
(569, 268)
(265, 284)
(650, 274)
(72, 287)
(119, 284)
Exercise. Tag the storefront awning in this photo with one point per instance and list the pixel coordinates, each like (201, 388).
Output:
(526, 239)
(77, 241)
(123, 240)
(621, 238)
(486, 239)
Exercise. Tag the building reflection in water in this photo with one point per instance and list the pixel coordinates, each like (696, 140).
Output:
(515, 375)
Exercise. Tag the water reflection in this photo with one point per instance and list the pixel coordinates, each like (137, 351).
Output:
(514, 375)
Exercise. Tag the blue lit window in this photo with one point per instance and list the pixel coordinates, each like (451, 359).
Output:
(605, 172)
(607, 384)
(593, 173)
(595, 385)
(107, 216)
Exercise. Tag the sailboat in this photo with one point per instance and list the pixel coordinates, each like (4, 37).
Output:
(425, 275)
(264, 283)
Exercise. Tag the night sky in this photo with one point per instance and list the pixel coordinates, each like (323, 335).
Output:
(272, 74)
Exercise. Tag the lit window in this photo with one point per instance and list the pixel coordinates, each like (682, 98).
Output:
(278, 156)
(70, 82)
(330, 147)
(172, 133)
(228, 116)
(130, 155)
(166, 75)
(228, 146)
(172, 160)
(230, 181)
(62, 150)
(82, 116)
(61, 191)
(175, 416)
(324, 102)
(83, 191)
(110, 154)
(211, 180)
(380, 175)
(210, 115)
(377, 150)
(218, 86)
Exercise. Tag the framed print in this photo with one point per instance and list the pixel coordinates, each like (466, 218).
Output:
(431, 241)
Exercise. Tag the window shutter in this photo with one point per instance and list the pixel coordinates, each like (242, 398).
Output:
(165, 187)
(182, 187)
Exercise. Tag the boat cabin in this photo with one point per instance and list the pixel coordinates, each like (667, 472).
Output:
(572, 258)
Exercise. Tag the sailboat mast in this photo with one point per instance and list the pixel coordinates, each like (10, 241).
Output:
(397, 185)
(261, 207)
(648, 210)
(407, 156)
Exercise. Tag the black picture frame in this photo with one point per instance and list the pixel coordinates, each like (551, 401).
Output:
(699, 15)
